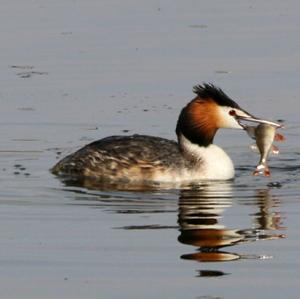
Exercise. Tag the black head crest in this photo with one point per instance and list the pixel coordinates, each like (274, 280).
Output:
(206, 91)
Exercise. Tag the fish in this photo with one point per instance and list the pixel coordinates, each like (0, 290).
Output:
(264, 134)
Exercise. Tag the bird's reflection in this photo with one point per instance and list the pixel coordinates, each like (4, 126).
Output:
(204, 211)
(200, 217)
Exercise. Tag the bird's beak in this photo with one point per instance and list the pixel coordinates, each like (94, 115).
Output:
(250, 118)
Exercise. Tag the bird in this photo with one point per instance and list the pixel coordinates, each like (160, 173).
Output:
(142, 158)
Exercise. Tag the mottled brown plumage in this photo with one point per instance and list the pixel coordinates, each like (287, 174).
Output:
(123, 158)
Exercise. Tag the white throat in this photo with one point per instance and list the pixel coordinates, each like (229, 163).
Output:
(211, 162)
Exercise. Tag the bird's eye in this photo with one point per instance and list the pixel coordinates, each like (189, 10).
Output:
(232, 113)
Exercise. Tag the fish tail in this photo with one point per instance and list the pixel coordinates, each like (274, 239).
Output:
(262, 168)
(259, 169)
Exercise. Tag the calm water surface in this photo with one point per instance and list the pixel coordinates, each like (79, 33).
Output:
(211, 240)
(73, 72)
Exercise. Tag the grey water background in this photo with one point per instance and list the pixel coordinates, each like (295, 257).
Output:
(76, 71)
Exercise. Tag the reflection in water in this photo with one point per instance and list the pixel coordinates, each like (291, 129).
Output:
(210, 273)
(201, 222)
(265, 219)
(203, 211)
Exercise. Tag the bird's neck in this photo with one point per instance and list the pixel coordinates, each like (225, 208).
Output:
(210, 161)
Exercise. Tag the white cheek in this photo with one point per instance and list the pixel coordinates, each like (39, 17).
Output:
(226, 120)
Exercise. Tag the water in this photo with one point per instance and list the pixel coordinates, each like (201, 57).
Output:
(73, 72)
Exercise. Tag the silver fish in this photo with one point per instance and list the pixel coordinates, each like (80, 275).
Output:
(264, 134)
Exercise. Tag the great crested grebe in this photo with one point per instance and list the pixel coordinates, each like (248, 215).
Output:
(140, 158)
